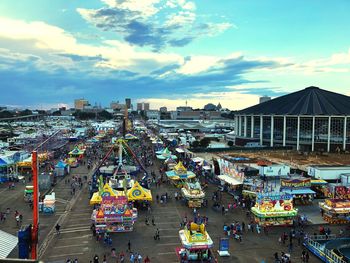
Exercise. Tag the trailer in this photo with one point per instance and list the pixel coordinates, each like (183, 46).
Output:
(324, 172)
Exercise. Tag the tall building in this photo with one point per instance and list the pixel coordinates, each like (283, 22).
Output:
(142, 106)
(128, 103)
(311, 119)
(264, 99)
(80, 104)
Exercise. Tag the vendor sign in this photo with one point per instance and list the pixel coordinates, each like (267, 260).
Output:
(274, 202)
(296, 183)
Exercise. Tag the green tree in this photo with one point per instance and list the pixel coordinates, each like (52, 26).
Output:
(105, 115)
(204, 142)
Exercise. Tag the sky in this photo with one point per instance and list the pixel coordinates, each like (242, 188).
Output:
(167, 52)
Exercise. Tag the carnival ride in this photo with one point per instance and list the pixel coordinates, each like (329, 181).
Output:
(274, 209)
(196, 244)
(193, 194)
(336, 211)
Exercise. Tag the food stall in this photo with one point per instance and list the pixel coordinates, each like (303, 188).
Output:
(193, 194)
(299, 188)
(28, 193)
(274, 209)
(196, 244)
(179, 175)
(115, 214)
(335, 211)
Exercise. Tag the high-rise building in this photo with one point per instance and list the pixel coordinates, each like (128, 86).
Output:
(128, 103)
(80, 104)
(142, 106)
(264, 99)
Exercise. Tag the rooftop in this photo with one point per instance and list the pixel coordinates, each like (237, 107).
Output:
(309, 101)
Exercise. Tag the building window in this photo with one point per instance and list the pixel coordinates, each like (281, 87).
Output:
(256, 126)
(278, 128)
(291, 129)
(305, 130)
(337, 130)
(242, 125)
(249, 126)
(267, 127)
(321, 129)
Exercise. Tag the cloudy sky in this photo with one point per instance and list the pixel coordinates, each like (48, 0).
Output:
(170, 51)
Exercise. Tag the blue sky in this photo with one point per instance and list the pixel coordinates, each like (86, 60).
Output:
(170, 51)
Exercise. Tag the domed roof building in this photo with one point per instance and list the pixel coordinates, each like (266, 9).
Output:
(311, 119)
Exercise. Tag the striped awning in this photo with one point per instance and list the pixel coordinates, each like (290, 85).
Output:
(7, 243)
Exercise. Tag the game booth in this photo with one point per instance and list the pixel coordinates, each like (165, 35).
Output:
(336, 211)
(196, 244)
(193, 194)
(179, 175)
(274, 209)
(28, 193)
(48, 204)
(114, 215)
(299, 188)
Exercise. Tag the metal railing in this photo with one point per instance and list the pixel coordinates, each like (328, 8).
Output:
(327, 255)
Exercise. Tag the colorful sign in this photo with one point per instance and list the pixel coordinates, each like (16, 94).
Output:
(274, 202)
(229, 169)
(224, 244)
(296, 183)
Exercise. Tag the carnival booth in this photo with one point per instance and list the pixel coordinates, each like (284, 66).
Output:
(336, 211)
(104, 190)
(61, 169)
(170, 163)
(299, 188)
(196, 244)
(274, 209)
(319, 186)
(28, 193)
(72, 162)
(138, 193)
(230, 177)
(179, 175)
(114, 215)
(193, 194)
(165, 154)
(77, 152)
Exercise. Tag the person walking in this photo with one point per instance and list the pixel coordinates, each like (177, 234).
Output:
(129, 246)
(96, 259)
(58, 227)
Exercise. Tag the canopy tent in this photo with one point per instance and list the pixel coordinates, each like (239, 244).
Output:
(61, 164)
(229, 179)
(76, 152)
(180, 172)
(301, 191)
(130, 136)
(106, 190)
(138, 193)
(3, 162)
(165, 155)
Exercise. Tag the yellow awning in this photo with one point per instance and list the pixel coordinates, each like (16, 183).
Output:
(138, 193)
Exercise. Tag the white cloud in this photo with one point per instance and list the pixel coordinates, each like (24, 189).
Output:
(145, 7)
(197, 64)
(182, 18)
(43, 39)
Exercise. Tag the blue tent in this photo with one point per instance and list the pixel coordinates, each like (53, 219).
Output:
(61, 164)
(2, 162)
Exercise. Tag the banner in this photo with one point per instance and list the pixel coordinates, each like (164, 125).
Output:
(296, 183)
(227, 168)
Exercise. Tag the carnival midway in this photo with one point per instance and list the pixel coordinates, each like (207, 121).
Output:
(131, 194)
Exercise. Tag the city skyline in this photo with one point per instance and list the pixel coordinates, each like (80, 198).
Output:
(169, 52)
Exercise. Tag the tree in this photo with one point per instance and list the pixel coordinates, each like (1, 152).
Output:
(195, 144)
(25, 112)
(105, 115)
(204, 142)
(56, 113)
(5, 114)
